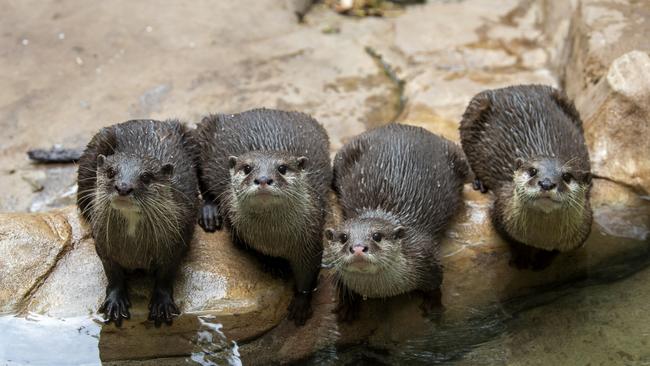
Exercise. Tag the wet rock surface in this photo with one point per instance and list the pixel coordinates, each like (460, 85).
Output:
(76, 69)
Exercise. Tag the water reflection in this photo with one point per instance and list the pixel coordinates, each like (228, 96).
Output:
(588, 314)
(41, 340)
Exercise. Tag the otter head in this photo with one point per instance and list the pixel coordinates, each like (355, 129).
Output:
(265, 178)
(546, 184)
(366, 245)
(130, 183)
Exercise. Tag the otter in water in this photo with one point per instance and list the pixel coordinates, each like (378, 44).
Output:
(139, 192)
(266, 174)
(525, 143)
(398, 186)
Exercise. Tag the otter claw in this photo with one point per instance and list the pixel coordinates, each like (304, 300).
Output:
(479, 186)
(347, 312)
(432, 303)
(162, 309)
(209, 218)
(116, 307)
(300, 309)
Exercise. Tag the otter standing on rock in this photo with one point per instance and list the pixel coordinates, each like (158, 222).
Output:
(525, 143)
(398, 186)
(266, 173)
(138, 190)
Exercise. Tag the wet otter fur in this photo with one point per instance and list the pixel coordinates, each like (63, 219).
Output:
(266, 174)
(526, 144)
(138, 191)
(398, 187)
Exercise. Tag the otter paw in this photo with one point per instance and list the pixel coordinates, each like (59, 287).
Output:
(209, 218)
(520, 262)
(116, 307)
(347, 312)
(162, 308)
(432, 304)
(479, 186)
(300, 309)
(543, 259)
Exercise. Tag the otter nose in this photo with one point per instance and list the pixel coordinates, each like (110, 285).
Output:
(264, 180)
(546, 184)
(359, 249)
(123, 189)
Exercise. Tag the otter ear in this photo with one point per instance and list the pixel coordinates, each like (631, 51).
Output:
(167, 170)
(302, 162)
(399, 232)
(232, 161)
(101, 160)
(518, 163)
(329, 234)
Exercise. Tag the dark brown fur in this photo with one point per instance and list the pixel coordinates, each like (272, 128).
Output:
(519, 138)
(401, 184)
(287, 225)
(151, 163)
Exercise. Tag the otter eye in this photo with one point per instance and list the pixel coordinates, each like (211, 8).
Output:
(343, 238)
(376, 237)
(567, 177)
(110, 173)
(146, 178)
(532, 172)
(247, 169)
(282, 169)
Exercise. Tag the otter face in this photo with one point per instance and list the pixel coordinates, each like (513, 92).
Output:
(365, 246)
(266, 178)
(546, 184)
(127, 183)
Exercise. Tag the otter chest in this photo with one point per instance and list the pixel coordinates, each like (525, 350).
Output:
(133, 244)
(559, 230)
(274, 236)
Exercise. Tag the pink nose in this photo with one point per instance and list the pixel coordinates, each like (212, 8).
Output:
(359, 250)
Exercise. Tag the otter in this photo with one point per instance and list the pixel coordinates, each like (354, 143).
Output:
(265, 174)
(138, 191)
(398, 187)
(525, 143)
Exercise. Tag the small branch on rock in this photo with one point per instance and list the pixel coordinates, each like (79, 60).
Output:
(55, 155)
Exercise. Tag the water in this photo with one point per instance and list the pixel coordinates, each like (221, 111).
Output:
(41, 340)
(602, 319)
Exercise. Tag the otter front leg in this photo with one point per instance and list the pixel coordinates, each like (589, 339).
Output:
(543, 258)
(116, 305)
(306, 277)
(162, 307)
(348, 306)
(522, 256)
(209, 218)
(432, 296)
